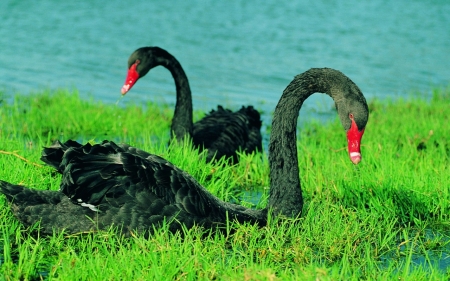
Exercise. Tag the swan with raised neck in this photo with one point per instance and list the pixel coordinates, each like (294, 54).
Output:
(221, 132)
(108, 184)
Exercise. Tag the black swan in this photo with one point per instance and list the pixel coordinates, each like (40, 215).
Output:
(106, 184)
(222, 132)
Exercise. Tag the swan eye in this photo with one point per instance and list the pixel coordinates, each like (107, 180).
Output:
(351, 116)
(137, 62)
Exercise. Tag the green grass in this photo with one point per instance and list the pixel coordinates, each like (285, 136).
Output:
(62, 114)
(373, 221)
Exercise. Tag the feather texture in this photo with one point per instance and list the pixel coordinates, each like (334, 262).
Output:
(222, 132)
(107, 184)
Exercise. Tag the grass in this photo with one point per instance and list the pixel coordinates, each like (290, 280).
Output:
(383, 219)
(62, 114)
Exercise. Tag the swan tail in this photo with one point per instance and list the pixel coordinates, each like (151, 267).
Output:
(10, 190)
(254, 140)
(253, 116)
(224, 132)
(51, 209)
(22, 196)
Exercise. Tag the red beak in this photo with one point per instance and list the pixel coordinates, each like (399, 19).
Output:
(354, 137)
(131, 79)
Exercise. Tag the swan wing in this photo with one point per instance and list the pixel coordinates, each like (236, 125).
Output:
(224, 132)
(113, 174)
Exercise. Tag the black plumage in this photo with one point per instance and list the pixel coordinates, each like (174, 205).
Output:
(106, 184)
(222, 132)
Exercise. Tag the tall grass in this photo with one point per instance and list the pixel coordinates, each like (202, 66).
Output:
(383, 219)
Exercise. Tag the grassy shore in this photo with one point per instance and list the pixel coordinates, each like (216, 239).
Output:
(387, 218)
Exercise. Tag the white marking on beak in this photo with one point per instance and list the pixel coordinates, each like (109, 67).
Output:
(355, 157)
(125, 88)
(355, 154)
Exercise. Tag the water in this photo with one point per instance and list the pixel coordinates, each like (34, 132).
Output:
(234, 53)
(433, 259)
(428, 260)
(244, 52)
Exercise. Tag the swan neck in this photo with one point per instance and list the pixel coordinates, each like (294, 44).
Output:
(182, 123)
(285, 197)
(285, 189)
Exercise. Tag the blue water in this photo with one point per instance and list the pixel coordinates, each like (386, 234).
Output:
(244, 52)
(234, 53)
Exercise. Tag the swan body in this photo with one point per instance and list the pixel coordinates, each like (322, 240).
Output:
(107, 184)
(222, 132)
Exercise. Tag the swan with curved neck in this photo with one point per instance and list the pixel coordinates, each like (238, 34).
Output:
(108, 184)
(222, 132)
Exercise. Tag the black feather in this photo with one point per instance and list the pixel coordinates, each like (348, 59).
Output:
(222, 132)
(106, 184)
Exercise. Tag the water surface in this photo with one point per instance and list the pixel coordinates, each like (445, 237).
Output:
(245, 52)
(234, 53)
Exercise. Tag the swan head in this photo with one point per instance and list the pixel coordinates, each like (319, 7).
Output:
(354, 136)
(140, 62)
(132, 77)
(354, 121)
